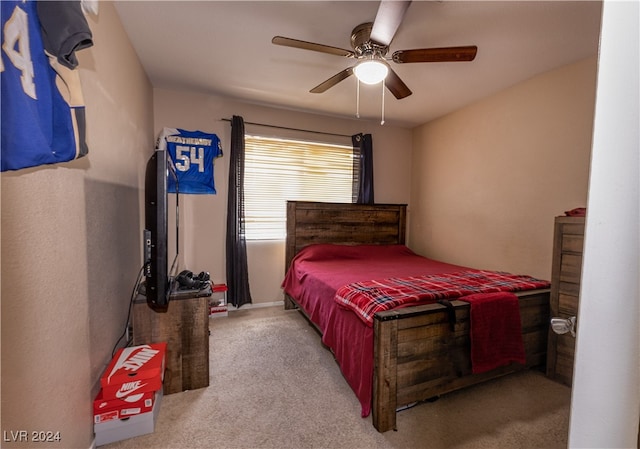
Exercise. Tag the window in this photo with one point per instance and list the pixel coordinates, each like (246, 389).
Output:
(277, 170)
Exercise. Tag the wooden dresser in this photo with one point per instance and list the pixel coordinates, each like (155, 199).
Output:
(565, 290)
(185, 329)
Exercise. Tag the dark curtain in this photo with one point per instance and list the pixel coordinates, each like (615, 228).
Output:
(237, 272)
(363, 169)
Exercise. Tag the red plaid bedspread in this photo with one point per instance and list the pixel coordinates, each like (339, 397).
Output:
(369, 297)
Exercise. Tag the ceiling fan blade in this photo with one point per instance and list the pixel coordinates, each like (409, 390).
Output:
(446, 54)
(288, 42)
(396, 86)
(388, 19)
(335, 79)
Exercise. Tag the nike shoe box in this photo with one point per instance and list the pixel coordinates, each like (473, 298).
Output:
(120, 429)
(131, 405)
(218, 307)
(134, 370)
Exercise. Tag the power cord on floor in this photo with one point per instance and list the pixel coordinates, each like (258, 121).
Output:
(127, 328)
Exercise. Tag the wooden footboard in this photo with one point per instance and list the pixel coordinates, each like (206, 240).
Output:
(418, 356)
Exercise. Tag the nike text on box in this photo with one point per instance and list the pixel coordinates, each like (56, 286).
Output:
(134, 404)
(128, 427)
(133, 371)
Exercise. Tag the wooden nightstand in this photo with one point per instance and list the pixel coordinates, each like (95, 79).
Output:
(185, 329)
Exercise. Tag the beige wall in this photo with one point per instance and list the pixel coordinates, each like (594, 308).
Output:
(71, 249)
(203, 216)
(488, 180)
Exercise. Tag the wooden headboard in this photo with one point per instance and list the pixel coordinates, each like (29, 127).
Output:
(343, 223)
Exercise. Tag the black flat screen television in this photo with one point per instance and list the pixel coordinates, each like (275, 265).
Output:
(158, 271)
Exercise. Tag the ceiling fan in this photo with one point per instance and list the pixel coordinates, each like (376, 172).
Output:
(370, 42)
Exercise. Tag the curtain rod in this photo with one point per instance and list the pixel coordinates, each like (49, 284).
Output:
(290, 129)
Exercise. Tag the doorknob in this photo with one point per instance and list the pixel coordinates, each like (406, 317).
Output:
(564, 325)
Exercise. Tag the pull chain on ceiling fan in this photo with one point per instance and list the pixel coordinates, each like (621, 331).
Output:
(358, 100)
(370, 42)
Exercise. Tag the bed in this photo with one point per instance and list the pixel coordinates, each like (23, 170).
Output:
(399, 356)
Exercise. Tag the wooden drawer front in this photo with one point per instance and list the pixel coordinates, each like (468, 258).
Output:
(572, 243)
(566, 344)
(570, 267)
(568, 288)
(573, 228)
(568, 304)
(564, 370)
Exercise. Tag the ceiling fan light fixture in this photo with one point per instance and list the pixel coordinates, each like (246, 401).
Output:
(371, 71)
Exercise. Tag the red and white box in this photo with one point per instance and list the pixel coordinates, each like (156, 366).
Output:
(128, 427)
(131, 405)
(218, 307)
(133, 371)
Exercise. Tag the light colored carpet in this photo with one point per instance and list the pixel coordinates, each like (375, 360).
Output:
(273, 385)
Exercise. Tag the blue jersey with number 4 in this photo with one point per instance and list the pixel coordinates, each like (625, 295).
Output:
(43, 121)
(192, 153)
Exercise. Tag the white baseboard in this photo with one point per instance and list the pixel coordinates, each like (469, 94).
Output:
(256, 305)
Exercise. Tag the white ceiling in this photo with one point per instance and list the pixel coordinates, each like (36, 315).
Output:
(224, 48)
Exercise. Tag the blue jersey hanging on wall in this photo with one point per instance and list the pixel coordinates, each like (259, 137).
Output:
(193, 154)
(43, 120)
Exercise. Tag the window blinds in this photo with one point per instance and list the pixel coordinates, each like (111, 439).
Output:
(278, 170)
